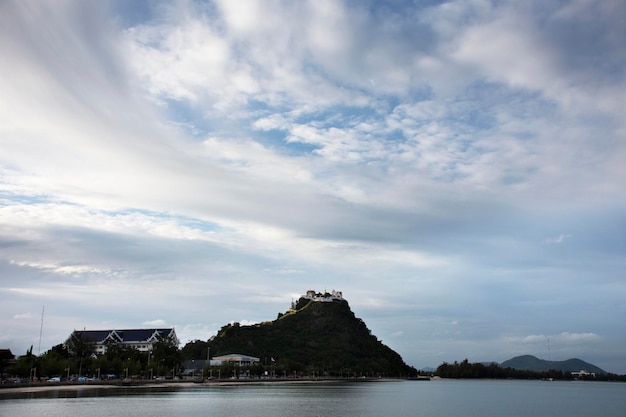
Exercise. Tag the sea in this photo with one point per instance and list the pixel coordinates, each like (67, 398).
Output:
(435, 398)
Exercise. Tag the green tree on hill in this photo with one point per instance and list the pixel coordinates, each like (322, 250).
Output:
(316, 338)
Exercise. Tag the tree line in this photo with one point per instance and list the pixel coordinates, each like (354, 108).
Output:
(76, 359)
(311, 339)
(477, 370)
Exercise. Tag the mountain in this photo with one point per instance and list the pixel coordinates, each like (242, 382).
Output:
(532, 363)
(315, 335)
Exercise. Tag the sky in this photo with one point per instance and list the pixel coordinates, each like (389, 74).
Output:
(456, 168)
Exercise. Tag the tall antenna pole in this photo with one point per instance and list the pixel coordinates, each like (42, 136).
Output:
(43, 309)
(549, 354)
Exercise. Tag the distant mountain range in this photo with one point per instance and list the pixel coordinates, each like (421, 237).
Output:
(532, 363)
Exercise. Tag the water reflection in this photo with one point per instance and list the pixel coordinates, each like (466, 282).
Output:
(390, 399)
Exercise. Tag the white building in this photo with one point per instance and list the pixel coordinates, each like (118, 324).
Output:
(237, 358)
(584, 374)
(323, 297)
(139, 339)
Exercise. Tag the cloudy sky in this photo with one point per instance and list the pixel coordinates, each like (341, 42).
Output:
(457, 169)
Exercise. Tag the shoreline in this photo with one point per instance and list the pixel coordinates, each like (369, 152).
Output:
(55, 386)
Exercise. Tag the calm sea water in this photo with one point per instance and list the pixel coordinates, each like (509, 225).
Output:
(389, 399)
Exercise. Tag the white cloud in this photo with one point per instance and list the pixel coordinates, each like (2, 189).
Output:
(191, 60)
(558, 239)
(244, 322)
(557, 340)
(577, 337)
(189, 332)
(155, 323)
(506, 48)
(275, 146)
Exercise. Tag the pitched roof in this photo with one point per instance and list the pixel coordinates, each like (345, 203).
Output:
(93, 335)
(126, 335)
(237, 357)
(141, 335)
(6, 354)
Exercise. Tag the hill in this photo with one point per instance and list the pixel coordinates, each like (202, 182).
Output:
(314, 336)
(532, 363)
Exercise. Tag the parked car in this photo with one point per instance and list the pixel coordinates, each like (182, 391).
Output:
(54, 379)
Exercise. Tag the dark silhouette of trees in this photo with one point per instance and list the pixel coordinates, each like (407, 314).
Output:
(6, 359)
(466, 370)
(196, 349)
(165, 356)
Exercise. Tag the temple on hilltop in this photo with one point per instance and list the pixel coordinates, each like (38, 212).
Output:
(323, 297)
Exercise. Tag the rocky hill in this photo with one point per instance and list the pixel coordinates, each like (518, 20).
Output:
(314, 336)
(532, 363)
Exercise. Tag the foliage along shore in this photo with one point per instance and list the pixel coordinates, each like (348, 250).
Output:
(315, 340)
(312, 339)
(478, 370)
